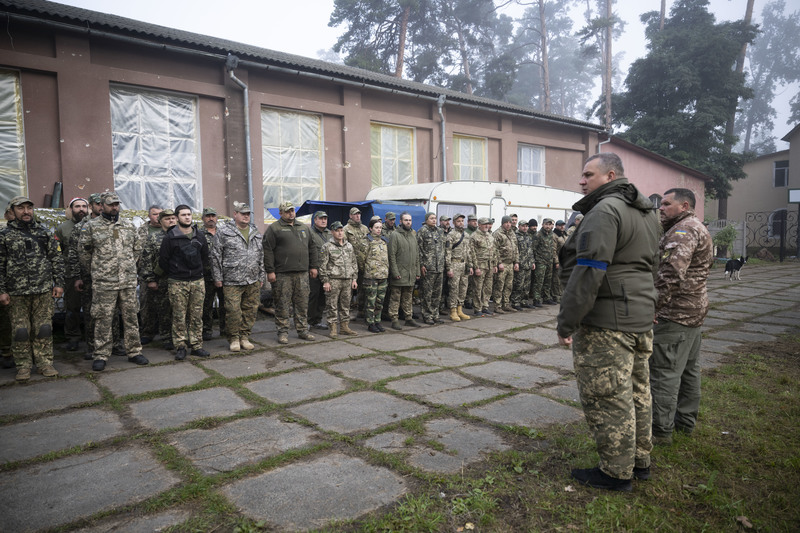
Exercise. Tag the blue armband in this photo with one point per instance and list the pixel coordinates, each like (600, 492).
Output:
(591, 263)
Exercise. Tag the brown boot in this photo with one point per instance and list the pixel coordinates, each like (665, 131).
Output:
(461, 314)
(333, 330)
(344, 327)
(454, 315)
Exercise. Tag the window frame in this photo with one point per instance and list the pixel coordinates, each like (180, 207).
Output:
(457, 165)
(784, 170)
(21, 170)
(381, 181)
(542, 165)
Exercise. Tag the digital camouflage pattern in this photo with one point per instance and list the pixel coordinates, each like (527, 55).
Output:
(507, 254)
(30, 262)
(186, 300)
(337, 261)
(104, 308)
(400, 297)
(559, 238)
(316, 296)
(241, 306)
(337, 300)
(31, 323)
(355, 233)
(485, 257)
(234, 260)
(458, 259)
(544, 255)
(431, 244)
(212, 292)
(290, 292)
(375, 292)
(110, 250)
(377, 258)
(522, 278)
(156, 309)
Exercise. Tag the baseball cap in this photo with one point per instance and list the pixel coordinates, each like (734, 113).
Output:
(560, 223)
(458, 215)
(336, 225)
(19, 200)
(471, 217)
(241, 207)
(484, 220)
(547, 220)
(354, 210)
(443, 218)
(209, 211)
(110, 198)
(95, 198)
(390, 216)
(166, 213)
(285, 206)
(320, 214)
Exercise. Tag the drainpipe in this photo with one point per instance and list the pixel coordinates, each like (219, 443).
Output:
(231, 63)
(600, 144)
(440, 105)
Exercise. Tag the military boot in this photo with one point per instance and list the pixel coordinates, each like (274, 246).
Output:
(454, 315)
(235, 346)
(333, 330)
(461, 314)
(345, 328)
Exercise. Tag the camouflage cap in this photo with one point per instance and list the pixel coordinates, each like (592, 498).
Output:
(444, 218)
(522, 222)
(354, 210)
(209, 211)
(320, 214)
(241, 207)
(166, 213)
(458, 215)
(484, 220)
(390, 216)
(19, 200)
(285, 206)
(336, 225)
(472, 216)
(110, 198)
(95, 198)
(547, 221)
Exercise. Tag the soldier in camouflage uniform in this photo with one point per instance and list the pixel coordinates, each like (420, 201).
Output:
(484, 257)
(183, 257)
(83, 281)
(559, 238)
(212, 291)
(431, 242)
(472, 227)
(507, 264)
(237, 260)
(376, 274)
(533, 231)
(686, 253)
(149, 311)
(403, 271)
(31, 275)
(338, 270)
(458, 264)
(316, 296)
(290, 257)
(109, 248)
(76, 211)
(389, 224)
(543, 253)
(522, 277)
(154, 281)
(608, 307)
(5, 319)
(356, 233)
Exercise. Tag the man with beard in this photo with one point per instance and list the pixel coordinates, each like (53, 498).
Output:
(154, 282)
(404, 271)
(356, 234)
(76, 211)
(316, 295)
(505, 242)
(431, 241)
(458, 264)
(484, 257)
(212, 291)
(543, 251)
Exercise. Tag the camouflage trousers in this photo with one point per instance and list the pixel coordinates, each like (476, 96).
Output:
(89, 321)
(522, 286)
(72, 306)
(675, 377)
(5, 328)
(186, 299)
(503, 283)
(614, 384)
(104, 308)
(32, 326)
(375, 292)
(401, 297)
(291, 290)
(458, 286)
(542, 279)
(431, 284)
(483, 289)
(555, 284)
(213, 292)
(156, 312)
(241, 307)
(337, 302)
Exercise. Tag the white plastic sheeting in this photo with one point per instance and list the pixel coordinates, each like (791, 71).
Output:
(530, 164)
(392, 151)
(155, 149)
(12, 140)
(469, 158)
(291, 152)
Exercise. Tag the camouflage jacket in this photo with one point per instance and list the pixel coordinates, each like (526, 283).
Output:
(208, 273)
(376, 265)
(234, 260)
(30, 262)
(148, 263)
(337, 261)
(355, 234)
(72, 264)
(145, 230)
(388, 231)
(431, 243)
(457, 250)
(686, 254)
(525, 246)
(506, 244)
(483, 251)
(545, 248)
(110, 251)
(558, 241)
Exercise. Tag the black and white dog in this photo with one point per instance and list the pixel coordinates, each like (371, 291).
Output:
(733, 267)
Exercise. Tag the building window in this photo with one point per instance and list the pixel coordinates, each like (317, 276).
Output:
(530, 164)
(155, 148)
(291, 154)
(776, 222)
(469, 158)
(12, 140)
(781, 174)
(392, 153)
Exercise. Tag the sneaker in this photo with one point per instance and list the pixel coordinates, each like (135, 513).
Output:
(396, 325)
(180, 354)
(199, 352)
(642, 474)
(305, 335)
(478, 312)
(23, 374)
(146, 340)
(380, 328)
(413, 323)
(48, 371)
(245, 343)
(283, 338)
(98, 365)
(373, 328)
(72, 346)
(594, 477)
(207, 335)
(139, 360)
(235, 346)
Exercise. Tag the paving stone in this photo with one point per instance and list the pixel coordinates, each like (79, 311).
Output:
(249, 365)
(492, 324)
(178, 409)
(556, 357)
(718, 346)
(64, 490)
(389, 442)
(512, 374)
(775, 319)
(715, 322)
(567, 391)
(333, 487)
(146, 379)
(270, 339)
(133, 523)
(710, 360)
(743, 336)
(445, 388)
(467, 395)
(464, 444)
(533, 317)
(789, 314)
(444, 356)
(374, 369)
(529, 410)
(728, 315)
(390, 342)
(233, 444)
(266, 325)
(358, 411)
(297, 386)
(46, 396)
(543, 336)
(330, 351)
(495, 346)
(748, 308)
(59, 432)
(445, 333)
(64, 368)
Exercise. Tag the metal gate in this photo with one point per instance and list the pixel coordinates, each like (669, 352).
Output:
(775, 231)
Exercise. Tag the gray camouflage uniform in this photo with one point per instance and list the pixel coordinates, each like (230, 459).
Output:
(431, 243)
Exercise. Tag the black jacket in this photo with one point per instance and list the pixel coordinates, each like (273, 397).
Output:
(183, 257)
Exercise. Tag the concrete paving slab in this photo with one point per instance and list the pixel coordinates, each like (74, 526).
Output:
(146, 379)
(233, 444)
(265, 324)
(751, 307)
(329, 351)
(464, 444)
(374, 369)
(534, 317)
(729, 315)
(465, 396)
(270, 339)
(495, 346)
(513, 374)
(252, 364)
(492, 324)
(718, 346)
(555, 357)
(566, 391)
(444, 356)
(297, 386)
(714, 323)
(133, 523)
(390, 342)
(529, 410)
(446, 388)
(333, 487)
(789, 314)
(46, 396)
(444, 333)
(34, 497)
(389, 442)
(178, 409)
(711, 360)
(65, 369)
(543, 336)
(743, 336)
(58, 432)
(358, 411)
(775, 319)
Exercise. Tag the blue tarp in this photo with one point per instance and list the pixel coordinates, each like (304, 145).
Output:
(341, 211)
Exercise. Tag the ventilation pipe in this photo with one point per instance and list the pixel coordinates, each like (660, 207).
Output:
(231, 63)
(440, 105)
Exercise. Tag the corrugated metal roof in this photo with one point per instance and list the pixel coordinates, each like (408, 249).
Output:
(87, 20)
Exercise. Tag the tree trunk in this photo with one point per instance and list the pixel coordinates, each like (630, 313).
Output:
(663, 15)
(607, 80)
(545, 63)
(462, 45)
(401, 47)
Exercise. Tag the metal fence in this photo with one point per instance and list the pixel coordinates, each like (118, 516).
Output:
(775, 231)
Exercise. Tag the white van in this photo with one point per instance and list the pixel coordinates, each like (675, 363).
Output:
(483, 198)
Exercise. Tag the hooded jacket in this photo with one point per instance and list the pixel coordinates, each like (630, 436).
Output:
(609, 262)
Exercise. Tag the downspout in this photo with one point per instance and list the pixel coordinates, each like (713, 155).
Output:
(601, 143)
(440, 105)
(231, 63)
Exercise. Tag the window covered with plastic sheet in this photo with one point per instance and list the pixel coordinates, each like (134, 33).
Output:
(291, 153)
(12, 140)
(392, 153)
(469, 158)
(530, 164)
(155, 148)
